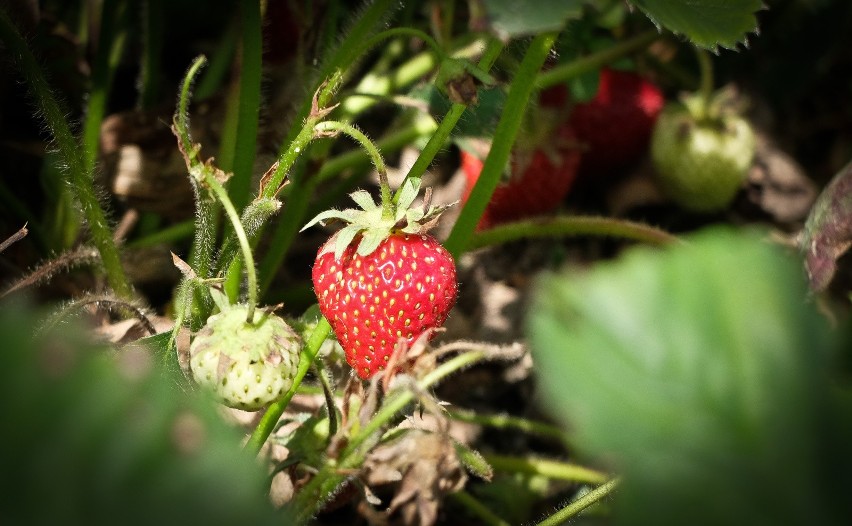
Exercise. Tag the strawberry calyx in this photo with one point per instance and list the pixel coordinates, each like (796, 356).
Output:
(375, 222)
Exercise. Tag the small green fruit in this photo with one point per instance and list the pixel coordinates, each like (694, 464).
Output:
(246, 365)
(701, 161)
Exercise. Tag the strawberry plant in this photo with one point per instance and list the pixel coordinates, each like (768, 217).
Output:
(520, 321)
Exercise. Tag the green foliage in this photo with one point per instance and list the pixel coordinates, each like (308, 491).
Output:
(513, 18)
(103, 438)
(479, 120)
(707, 23)
(701, 372)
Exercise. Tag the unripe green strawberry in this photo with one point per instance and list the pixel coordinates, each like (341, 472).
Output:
(246, 365)
(701, 156)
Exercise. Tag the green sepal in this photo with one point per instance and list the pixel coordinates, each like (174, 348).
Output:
(349, 214)
(370, 241)
(410, 189)
(344, 237)
(473, 461)
(373, 225)
(363, 199)
(219, 298)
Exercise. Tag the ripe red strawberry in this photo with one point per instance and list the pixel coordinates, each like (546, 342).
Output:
(538, 183)
(403, 288)
(616, 124)
(378, 282)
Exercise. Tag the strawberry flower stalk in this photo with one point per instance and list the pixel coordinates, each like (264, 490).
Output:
(381, 281)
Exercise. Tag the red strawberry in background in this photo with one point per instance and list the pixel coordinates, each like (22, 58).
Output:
(539, 180)
(381, 280)
(615, 126)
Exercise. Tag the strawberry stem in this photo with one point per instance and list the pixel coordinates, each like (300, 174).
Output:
(245, 247)
(573, 509)
(201, 252)
(323, 129)
(448, 123)
(570, 70)
(74, 171)
(705, 65)
(270, 418)
(182, 114)
(313, 495)
(565, 226)
(549, 468)
(304, 137)
(513, 113)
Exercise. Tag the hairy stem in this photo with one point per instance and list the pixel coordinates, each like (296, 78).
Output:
(78, 178)
(359, 136)
(504, 137)
(565, 72)
(571, 510)
(239, 186)
(372, 151)
(548, 468)
(189, 293)
(565, 226)
(182, 116)
(448, 123)
(312, 497)
(276, 409)
(322, 99)
(217, 188)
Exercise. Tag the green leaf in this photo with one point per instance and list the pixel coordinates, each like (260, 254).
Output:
(514, 18)
(479, 120)
(163, 348)
(699, 371)
(94, 436)
(707, 23)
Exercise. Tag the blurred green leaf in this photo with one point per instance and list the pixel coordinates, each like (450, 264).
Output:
(479, 120)
(700, 372)
(707, 23)
(514, 18)
(96, 437)
(163, 349)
